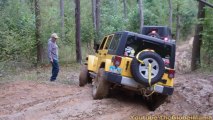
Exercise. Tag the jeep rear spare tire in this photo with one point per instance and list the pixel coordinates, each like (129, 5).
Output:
(100, 87)
(140, 72)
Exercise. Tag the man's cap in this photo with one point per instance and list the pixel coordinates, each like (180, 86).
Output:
(54, 35)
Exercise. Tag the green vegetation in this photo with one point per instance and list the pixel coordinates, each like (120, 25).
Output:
(42, 74)
(17, 21)
(207, 39)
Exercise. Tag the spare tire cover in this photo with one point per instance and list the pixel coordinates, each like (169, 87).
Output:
(140, 72)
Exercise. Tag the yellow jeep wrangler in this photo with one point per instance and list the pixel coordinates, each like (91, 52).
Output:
(133, 61)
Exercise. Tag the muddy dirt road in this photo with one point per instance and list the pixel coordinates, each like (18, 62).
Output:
(28, 100)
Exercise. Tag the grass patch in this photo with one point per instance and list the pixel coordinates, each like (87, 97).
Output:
(67, 54)
(68, 74)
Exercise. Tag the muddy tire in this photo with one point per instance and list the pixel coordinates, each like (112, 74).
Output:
(84, 76)
(100, 86)
(154, 101)
(140, 71)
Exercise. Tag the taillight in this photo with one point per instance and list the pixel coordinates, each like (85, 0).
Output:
(117, 60)
(153, 32)
(166, 39)
(171, 74)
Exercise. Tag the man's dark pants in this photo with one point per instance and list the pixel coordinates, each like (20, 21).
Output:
(55, 70)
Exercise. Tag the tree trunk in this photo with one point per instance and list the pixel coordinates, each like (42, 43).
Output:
(22, 1)
(98, 18)
(115, 7)
(195, 61)
(62, 19)
(140, 5)
(38, 32)
(32, 6)
(94, 13)
(206, 3)
(170, 13)
(78, 31)
(178, 23)
(94, 19)
(125, 9)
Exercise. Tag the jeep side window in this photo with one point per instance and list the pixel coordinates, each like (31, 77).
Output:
(132, 43)
(103, 43)
(114, 44)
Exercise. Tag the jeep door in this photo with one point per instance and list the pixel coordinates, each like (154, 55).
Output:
(103, 50)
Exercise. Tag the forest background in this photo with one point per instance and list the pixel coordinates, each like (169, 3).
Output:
(19, 18)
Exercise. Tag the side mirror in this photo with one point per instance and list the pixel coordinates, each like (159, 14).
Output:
(96, 47)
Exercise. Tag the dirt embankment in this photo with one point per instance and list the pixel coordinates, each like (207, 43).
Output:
(28, 100)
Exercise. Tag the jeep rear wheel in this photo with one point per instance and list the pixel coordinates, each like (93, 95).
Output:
(84, 76)
(100, 86)
(155, 100)
(140, 71)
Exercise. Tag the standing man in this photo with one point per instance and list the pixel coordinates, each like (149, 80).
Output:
(53, 55)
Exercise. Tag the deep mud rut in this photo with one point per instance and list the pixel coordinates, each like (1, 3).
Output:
(28, 100)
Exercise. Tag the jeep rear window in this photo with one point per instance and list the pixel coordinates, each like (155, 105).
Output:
(162, 31)
(114, 44)
(141, 44)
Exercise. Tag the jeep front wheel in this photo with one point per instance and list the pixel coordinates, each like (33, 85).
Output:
(84, 76)
(100, 85)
